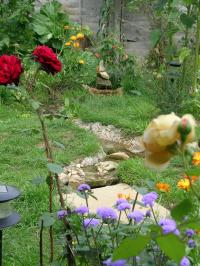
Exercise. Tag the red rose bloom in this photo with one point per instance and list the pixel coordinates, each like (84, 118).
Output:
(47, 58)
(10, 69)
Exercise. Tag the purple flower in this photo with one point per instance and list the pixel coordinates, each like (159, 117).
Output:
(137, 216)
(82, 210)
(107, 213)
(84, 187)
(168, 226)
(90, 223)
(191, 243)
(123, 206)
(148, 214)
(120, 200)
(150, 198)
(185, 262)
(61, 214)
(109, 262)
(189, 232)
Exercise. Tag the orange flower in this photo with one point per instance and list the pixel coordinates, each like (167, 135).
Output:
(73, 38)
(192, 178)
(196, 158)
(124, 196)
(76, 44)
(80, 36)
(184, 184)
(68, 44)
(163, 187)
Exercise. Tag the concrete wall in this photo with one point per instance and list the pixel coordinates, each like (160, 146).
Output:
(135, 27)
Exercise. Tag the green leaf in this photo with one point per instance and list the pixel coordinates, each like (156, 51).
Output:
(48, 219)
(155, 37)
(55, 168)
(141, 190)
(35, 104)
(186, 20)
(130, 247)
(194, 171)
(182, 209)
(172, 246)
(38, 180)
(59, 145)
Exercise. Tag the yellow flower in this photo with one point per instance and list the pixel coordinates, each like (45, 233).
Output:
(67, 27)
(82, 62)
(73, 38)
(80, 36)
(68, 44)
(76, 44)
(192, 178)
(160, 134)
(184, 184)
(196, 158)
(163, 187)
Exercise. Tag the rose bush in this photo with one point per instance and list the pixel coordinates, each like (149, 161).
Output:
(10, 69)
(48, 59)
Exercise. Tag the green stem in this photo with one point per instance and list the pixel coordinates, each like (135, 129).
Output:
(112, 240)
(96, 246)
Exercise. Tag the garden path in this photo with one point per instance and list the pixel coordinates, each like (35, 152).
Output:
(113, 141)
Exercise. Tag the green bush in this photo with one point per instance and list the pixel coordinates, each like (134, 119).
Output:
(16, 32)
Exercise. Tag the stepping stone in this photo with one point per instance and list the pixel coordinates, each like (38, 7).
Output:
(107, 197)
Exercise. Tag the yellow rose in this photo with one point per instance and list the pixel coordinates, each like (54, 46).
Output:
(161, 133)
(80, 36)
(73, 38)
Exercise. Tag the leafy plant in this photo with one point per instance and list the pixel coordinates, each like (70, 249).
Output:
(48, 24)
(16, 31)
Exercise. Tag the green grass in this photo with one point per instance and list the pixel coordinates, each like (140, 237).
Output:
(134, 172)
(21, 159)
(130, 113)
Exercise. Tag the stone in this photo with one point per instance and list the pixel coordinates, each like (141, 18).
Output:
(106, 92)
(119, 156)
(106, 166)
(103, 84)
(107, 196)
(96, 180)
(104, 75)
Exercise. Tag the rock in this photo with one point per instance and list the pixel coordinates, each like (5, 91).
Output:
(75, 180)
(103, 84)
(101, 67)
(104, 75)
(96, 180)
(106, 166)
(107, 196)
(106, 92)
(119, 156)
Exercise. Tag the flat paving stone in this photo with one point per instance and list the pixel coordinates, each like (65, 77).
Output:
(107, 196)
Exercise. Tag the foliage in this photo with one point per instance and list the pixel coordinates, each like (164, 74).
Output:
(127, 112)
(48, 24)
(16, 31)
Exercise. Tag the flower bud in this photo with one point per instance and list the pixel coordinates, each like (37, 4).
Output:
(184, 128)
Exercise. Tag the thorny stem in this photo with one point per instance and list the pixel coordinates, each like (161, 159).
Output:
(48, 151)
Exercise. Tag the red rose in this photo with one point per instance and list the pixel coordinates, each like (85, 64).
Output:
(10, 69)
(47, 58)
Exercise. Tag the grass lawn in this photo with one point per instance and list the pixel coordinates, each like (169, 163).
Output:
(22, 158)
(130, 113)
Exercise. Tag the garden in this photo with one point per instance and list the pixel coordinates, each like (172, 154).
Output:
(100, 148)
